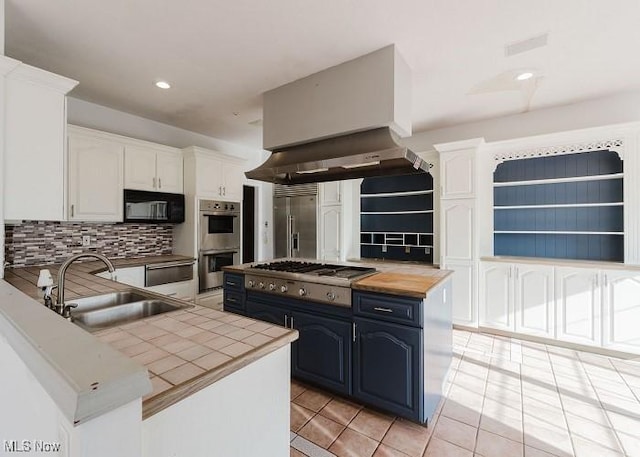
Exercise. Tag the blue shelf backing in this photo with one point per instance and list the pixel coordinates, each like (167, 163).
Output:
(603, 191)
(594, 204)
(558, 246)
(571, 219)
(562, 166)
(400, 223)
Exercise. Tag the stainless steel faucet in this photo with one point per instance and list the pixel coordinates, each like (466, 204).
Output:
(61, 308)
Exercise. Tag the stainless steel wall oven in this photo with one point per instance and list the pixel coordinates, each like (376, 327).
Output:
(219, 241)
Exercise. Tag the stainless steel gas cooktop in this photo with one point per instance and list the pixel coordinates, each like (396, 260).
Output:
(320, 282)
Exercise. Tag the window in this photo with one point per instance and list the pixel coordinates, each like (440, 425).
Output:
(396, 217)
(567, 206)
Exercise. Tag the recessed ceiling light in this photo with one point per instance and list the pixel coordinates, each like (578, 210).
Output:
(163, 85)
(524, 76)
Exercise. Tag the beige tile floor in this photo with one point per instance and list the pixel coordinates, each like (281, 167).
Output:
(505, 398)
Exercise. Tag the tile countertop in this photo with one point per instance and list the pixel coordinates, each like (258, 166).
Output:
(184, 350)
(396, 278)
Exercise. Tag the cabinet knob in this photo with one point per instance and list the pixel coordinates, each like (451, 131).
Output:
(252, 283)
(331, 296)
(283, 288)
(261, 285)
(272, 286)
(302, 292)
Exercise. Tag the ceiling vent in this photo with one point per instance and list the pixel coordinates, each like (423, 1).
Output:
(519, 47)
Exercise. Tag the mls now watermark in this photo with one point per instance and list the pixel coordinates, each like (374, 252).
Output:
(30, 446)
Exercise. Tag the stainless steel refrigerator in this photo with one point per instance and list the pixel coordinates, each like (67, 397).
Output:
(295, 226)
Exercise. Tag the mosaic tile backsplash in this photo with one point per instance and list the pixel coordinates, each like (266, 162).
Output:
(43, 243)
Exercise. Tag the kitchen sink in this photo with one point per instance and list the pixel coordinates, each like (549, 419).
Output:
(117, 308)
(108, 300)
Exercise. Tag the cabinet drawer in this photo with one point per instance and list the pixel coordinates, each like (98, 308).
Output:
(233, 300)
(391, 308)
(233, 282)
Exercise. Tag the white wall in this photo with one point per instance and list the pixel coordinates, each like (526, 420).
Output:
(614, 109)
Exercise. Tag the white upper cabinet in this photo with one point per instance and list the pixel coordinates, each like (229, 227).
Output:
(232, 180)
(95, 177)
(457, 171)
(330, 232)
(210, 174)
(151, 169)
(330, 193)
(139, 168)
(169, 170)
(34, 143)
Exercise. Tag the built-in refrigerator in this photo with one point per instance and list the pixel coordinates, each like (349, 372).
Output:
(294, 218)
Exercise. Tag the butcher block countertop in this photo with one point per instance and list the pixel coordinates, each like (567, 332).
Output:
(411, 285)
(184, 351)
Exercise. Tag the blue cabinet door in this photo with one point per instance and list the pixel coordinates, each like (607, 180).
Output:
(268, 313)
(388, 367)
(322, 354)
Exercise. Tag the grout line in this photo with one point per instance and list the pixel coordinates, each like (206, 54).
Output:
(602, 408)
(484, 394)
(564, 413)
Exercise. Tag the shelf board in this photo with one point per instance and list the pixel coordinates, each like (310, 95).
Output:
(563, 205)
(397, 194)
(559, 180)
(552, 232)
(399, 245)
(426, 211)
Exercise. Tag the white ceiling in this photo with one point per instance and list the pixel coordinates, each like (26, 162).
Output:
(221, 55)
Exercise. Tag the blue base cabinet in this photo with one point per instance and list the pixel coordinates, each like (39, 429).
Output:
(322, 354)
(233, 294)
(391, 352)
(267, 313)
(388, 367)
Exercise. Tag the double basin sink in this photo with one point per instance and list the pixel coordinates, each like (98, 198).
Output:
(119, 308)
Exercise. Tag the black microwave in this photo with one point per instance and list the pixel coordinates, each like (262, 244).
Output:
(153, 207)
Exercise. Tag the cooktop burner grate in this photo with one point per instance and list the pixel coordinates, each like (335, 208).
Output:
(316, 269)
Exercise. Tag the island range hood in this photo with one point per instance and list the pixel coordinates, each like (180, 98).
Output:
(373, 152)
(344, 122)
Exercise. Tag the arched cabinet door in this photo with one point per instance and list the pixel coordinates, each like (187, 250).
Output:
(388, 366)
(322, 353)
(267, 313)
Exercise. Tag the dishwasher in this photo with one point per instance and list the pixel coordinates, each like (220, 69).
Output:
(174, 279)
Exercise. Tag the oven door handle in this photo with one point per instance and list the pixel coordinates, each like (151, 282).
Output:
(160, 266)
(219, 214)
(219, 251)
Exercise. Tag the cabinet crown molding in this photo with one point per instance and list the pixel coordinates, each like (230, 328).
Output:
(123, 140)
(455, 146)
(197, 151)
(35, 75)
